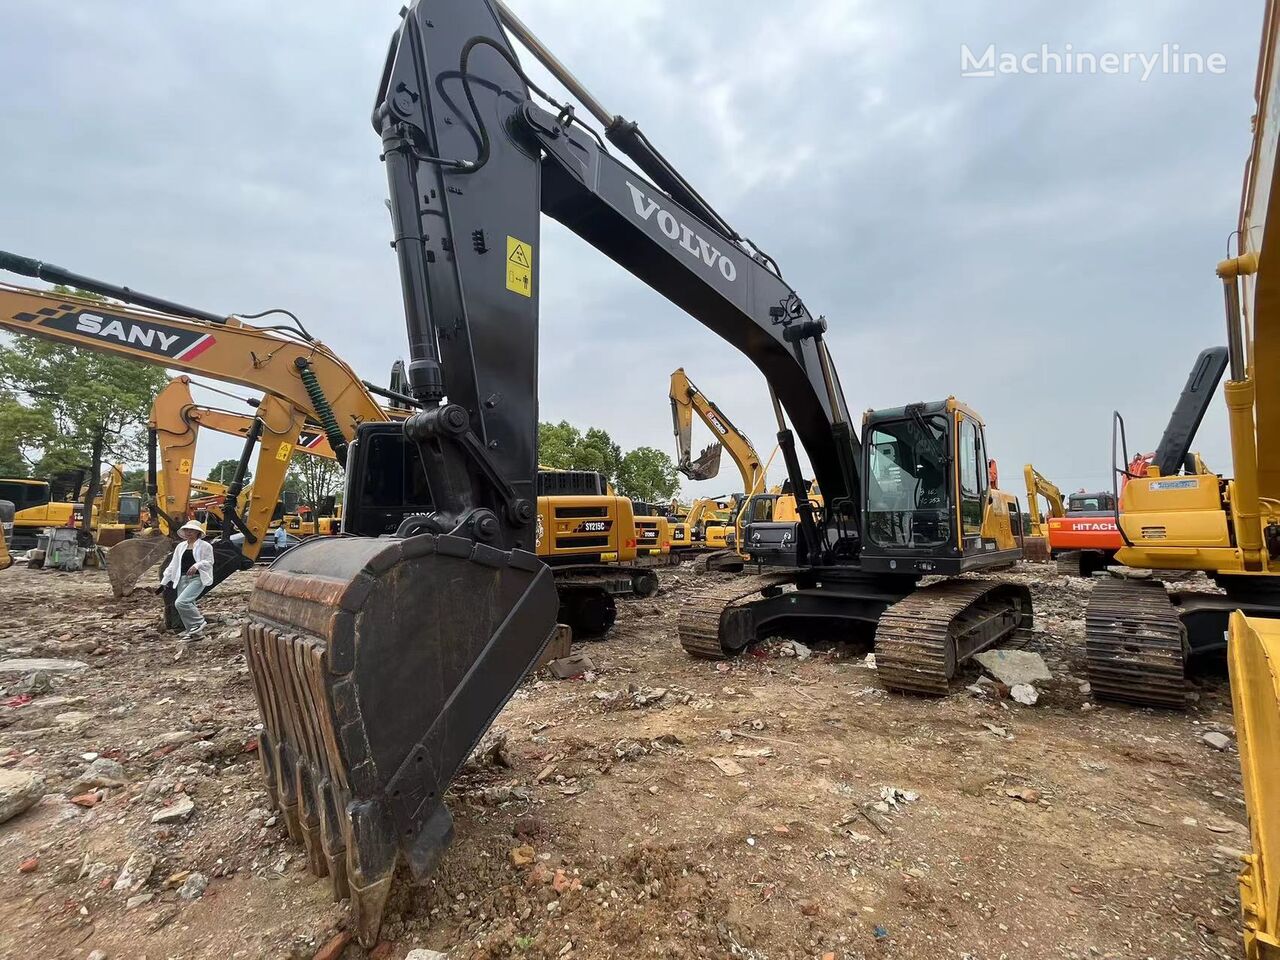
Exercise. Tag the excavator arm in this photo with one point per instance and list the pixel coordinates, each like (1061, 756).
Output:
(409, 645)
(279, 360)
(686, 400)
(1039, 486)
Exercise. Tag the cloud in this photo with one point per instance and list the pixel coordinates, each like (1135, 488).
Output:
(1041, 247)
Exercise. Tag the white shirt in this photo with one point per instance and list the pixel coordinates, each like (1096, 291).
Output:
(203, 551)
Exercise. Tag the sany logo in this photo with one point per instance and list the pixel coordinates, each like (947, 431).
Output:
(675, 230)
(167, 341)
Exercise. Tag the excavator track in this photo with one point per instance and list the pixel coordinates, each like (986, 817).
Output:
(923, 638)
(1069, 564)
(1135, 644)
(699, 620)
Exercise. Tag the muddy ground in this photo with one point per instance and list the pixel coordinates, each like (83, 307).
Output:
(660, 807)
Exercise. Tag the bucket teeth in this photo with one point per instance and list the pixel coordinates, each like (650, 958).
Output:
(377, 665)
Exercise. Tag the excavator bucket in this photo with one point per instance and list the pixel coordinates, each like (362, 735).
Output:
(1253, 657)
(128, 560)
(378, 663)
(707, 465)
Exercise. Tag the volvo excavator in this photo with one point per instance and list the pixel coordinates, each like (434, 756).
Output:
(381, 657)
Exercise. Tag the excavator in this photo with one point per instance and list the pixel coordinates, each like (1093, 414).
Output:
(173, 427)
(1036, 544)
(687, 400)
(7, 510)
(380, 658)
(1170, 514)
(1078, 533)
(42, 503)
(302, 380)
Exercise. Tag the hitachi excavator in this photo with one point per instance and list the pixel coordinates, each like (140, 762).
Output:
(687, 400)
(379, 658)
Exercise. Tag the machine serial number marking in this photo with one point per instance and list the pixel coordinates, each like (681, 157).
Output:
(519, 267)
(1174, 484)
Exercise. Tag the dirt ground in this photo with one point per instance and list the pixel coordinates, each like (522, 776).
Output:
(659, 807)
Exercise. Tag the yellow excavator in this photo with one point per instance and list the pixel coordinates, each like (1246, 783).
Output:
(1036, 545)
(725, 538)
(6, 531)
(42, 503)
(174, 427)
(282, 361)
(1141, 632)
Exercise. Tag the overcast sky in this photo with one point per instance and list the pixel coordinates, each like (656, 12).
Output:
(1040, 246)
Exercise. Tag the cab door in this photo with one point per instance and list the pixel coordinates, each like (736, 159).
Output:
(971, 481)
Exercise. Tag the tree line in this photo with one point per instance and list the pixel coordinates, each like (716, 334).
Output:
(642, 474)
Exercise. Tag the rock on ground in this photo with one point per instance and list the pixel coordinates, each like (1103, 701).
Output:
(19, 789)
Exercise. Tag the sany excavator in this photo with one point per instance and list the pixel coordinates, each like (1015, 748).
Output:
(303, 381)
(173, 429)
(687, 400)
(379, 658)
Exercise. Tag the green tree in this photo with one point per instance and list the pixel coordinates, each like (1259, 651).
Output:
(557, 443)
(648, 474)
(314, 478)
(224, 470)
(598, 452)
(23, 428)
(562, 446)
(98, 404)
(135, 481)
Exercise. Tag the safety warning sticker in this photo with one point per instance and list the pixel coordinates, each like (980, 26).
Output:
(285, 452)
(519, 267)
(184, 467)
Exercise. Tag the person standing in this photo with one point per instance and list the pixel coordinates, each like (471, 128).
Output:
(282, 539)
(190, 573)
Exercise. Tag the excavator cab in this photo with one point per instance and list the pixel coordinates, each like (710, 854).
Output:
(930, 505)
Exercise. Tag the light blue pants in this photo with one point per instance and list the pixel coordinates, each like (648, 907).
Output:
(188, 589)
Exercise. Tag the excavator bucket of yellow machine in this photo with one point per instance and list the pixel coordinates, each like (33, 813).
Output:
(378, 664)
(1253, 657)
(707, 465)
(128, 560)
